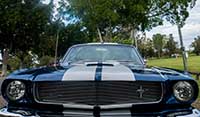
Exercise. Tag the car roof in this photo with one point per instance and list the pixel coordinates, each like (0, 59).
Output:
(103, 43)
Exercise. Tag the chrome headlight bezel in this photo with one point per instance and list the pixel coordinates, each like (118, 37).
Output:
(183, 91)
(15, 90)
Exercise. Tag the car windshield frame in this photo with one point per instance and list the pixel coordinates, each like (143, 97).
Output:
(140, 61)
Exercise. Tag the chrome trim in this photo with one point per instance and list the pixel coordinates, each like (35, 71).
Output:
(195, 113)
(75, 114)
(5, 113)
(73, 105)
(83, 106)
(118, 113)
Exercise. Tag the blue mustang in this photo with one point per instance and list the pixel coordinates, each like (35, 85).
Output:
(99, 79)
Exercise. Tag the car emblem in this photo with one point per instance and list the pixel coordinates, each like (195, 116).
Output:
(141, 91)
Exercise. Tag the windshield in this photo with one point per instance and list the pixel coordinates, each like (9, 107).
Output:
(102, 53)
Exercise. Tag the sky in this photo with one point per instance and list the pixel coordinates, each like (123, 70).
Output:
(190, 30)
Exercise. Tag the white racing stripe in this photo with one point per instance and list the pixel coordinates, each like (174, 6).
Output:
(117, 72)
(80, 73)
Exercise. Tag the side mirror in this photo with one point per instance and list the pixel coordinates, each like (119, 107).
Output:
(60, 60)
(145, 61)
(54, 63)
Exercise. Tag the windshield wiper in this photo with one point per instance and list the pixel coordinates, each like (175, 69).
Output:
(126, 61)
(81, 61)
(130, 62)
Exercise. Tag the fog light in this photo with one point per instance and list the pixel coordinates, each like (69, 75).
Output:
(183, 91)
(15, 90)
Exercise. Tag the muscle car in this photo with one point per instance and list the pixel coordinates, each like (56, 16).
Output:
(100, 80)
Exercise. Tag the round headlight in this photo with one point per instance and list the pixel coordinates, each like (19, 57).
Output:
(183, 91)
(15, 90)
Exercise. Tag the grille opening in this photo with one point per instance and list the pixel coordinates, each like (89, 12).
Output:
(98, 93)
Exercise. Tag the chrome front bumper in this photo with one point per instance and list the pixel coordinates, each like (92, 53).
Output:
(5, 113)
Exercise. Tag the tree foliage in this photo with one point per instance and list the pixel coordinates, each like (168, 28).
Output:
(196, 45)
(94, 14)
(70, 35)
(30, 26)
(46, 60)
(159, 43)
(21, 24)
(171, 45)
(118, 15)
(146, 48)
(178, 12)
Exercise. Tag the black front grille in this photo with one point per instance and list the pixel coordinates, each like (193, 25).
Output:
(98, 93)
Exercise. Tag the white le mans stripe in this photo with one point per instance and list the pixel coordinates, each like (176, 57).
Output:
(80, 72)
(117, 72)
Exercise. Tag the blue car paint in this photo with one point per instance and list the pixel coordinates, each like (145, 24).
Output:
(166, 76)
(168, 101)
(56, 74)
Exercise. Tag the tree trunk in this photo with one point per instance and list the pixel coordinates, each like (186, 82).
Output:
(182, 48)
(21, 56)
(108, 35)
(110, 32)
(5, 55)
(21, 64)
(133, 37)
(100, 36)
(56, 49)
(159, 54)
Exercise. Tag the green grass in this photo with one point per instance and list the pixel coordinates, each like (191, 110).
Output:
(193, 63)
(199, 88)
(177, 63)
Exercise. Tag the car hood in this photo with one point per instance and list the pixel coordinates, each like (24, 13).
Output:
(98, 72)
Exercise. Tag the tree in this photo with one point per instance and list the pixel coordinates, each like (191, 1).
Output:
(158, 43)
(45, 60)
(103, 17)
(145, 46)
(47, 43)
(21, 23)
(171, 46)
(97, 16)
(70, 35)
(177, 15)
(196, 45)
